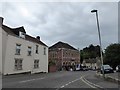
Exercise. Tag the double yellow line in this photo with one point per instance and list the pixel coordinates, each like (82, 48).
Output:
(92, 85)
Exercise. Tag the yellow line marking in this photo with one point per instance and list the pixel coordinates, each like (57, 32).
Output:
(90, 83)
(87, 83)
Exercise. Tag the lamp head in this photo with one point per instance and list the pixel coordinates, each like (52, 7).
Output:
(93, 11)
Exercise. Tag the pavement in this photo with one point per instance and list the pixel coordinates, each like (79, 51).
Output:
(101, 83)
(58, 80)
(115, 75)
(112, 77)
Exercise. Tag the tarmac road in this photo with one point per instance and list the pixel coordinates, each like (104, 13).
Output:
(57, 80)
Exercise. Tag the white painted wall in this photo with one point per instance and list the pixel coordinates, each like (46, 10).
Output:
(0, 58)
(28, 61)
(3, 46)
(1, 21)
(92, 65)
(0, 50)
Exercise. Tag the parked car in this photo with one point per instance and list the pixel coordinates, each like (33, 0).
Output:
(118, 68)
(81, 68)
(77, 67)
(84, 68)
(106, 69)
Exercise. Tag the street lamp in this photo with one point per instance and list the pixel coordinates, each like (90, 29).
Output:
(95, 11)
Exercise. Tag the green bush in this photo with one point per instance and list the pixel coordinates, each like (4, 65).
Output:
(51, 63)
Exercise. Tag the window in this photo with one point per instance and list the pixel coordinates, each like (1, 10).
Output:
(18, 64)
(37, 49)
(29, 51)
(36, 63)
(44, 50)
(21, 34)
(18, 47)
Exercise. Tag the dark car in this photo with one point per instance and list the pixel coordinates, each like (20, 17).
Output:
(106, 69)
(118, 68)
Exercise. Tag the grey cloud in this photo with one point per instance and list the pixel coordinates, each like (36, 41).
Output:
(69, 22)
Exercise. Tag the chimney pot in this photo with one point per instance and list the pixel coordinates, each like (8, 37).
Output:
(38, 37)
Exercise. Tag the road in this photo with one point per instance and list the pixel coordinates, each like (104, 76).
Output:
(57, 80)
(0, 81)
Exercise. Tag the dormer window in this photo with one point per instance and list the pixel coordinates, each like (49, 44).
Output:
(22, 35)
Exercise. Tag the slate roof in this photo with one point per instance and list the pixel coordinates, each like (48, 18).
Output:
(30, 38)
(62, 45)
(15, 32)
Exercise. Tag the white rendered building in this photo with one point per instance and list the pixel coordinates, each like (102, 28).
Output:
(20, 52)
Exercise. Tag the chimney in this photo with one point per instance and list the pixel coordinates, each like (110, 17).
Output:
(38, 37)
(1, 21)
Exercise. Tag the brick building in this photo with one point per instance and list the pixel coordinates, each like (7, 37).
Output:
(64, 55)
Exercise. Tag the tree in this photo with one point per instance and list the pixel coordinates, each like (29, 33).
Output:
(112, 55)
(90, 52)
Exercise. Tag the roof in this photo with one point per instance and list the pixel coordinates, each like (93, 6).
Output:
(30, 38)
(62, 45)
(8, 30)
(15, 32)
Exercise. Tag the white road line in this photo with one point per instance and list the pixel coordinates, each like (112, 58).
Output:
(31, 80)
(68, 83)
(62, 86)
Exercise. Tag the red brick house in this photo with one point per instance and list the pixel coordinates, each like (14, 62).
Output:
(64, 55)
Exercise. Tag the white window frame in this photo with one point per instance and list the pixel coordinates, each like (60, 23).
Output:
(36, 64)
(18, 64)
(22, 35)
(44, 50)
(36, 51)
(18, 49)
(29, 51)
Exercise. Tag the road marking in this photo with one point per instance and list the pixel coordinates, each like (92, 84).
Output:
(87, 83)
(90, 83)
(84, 80)
(31, 80)
(62, 86)
(68, 83)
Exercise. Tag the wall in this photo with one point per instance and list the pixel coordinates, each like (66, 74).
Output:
(0, 58)
(4, 43)
(69, 55)
(64, 55)
(28, 61)
(43, 59)
(52, 68)
(0, 50)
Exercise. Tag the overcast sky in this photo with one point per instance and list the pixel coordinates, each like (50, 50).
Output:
(70, 22)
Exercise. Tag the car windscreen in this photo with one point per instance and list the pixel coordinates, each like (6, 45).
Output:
(107, 67)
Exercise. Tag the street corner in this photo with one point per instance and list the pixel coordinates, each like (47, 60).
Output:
(109, 77)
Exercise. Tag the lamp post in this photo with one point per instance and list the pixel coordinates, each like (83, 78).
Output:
(95, 11)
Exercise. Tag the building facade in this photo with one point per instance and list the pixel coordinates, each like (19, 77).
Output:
(21, 52)
(90, 63)
(64, 55)
(1, 45)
